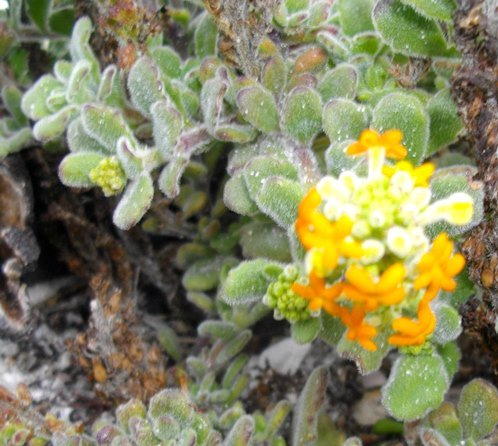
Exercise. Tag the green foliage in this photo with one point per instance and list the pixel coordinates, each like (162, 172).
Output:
(473, 421)
(305, 421)
(246, 283)
(445, 122)
(405, 112)
(417, 384)
(323, 73)
(408, 32)
(302, 114)
(252, 101)
(478, 409)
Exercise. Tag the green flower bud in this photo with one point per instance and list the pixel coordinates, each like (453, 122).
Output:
(285, 302)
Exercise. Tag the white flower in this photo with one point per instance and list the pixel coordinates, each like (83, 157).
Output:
(399, 241)
(457, 209)
(373, 251)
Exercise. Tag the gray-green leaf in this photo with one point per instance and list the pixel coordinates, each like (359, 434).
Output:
(405, 112)
(134, 203)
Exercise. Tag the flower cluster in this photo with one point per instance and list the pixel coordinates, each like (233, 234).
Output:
(109, 175)
(283, 299)
(368, 260)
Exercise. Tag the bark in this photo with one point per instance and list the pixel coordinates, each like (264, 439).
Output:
(475, 90)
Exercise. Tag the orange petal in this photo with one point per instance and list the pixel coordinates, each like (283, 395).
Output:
(455, 265)
(393, 136)
(361, 279)
(391, 277)
(393, 297)
(357, 148)
(304, 291)
(369, 138)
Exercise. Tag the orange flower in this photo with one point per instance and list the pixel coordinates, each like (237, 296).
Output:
(420, 174)
(390, 141)
(358, 330)
(319, 295)
(387, 290)
(413, 332)
(438, 268)
(316, 231)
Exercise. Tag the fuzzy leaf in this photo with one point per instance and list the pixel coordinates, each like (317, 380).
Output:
(404, 112)
(204, 275)
(236, 196)
(12, 97)
(306, 331)
(218, 329)
(337, 160)
(130, 162)
(302, 114)
(465, 289)
(366, 43)
(205, 37)
(448, 326)
(274, 74)
(478, 408)
(167, 125)
(105, 125)
(133, 408)
(439, 10)
(33, 102)
(277, 418)
(75, 168)
(366, 361)
(417, 384)
(135, 202)
(16, 141)
(79, 46)
(52, 126)
(344, 119)
(171, 402)
(446, 421)
(168, 61)
(212, 94)
(445, 121)
(236, 133)
(355, 16)
(241, 432)
(431, 437)
(332, 329)
(246, 283)
(279, 198)
(145, 86)
(305, 419)
(450, 354)
(169, 180)
(337, 45)
(62, 70)
(107, 82)
(78, 88)
(261, 239)
(80, 141)
(408, 32)
(259, 168)
(232, 348)
(258, 107)
(340, 82)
